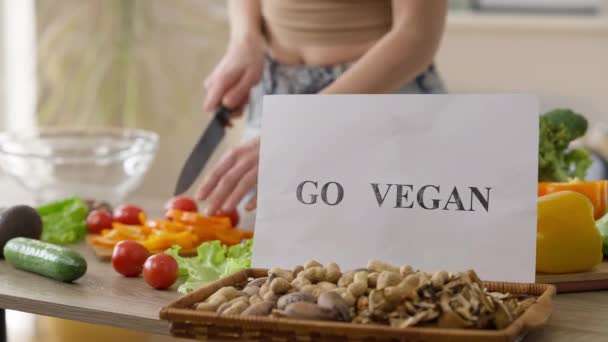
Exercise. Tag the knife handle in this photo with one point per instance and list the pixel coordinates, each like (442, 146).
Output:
(222, 115)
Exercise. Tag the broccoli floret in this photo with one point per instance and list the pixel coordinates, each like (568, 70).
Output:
(556, 163)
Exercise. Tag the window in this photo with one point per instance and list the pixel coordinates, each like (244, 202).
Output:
(17, 64)
(540, 7)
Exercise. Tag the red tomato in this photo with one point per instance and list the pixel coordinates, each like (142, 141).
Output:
(233, 215)
(128, 258)
(183, 203)
(160, 271)
(127, 214)
(98, 220)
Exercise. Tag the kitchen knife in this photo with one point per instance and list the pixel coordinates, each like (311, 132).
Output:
(203, 150)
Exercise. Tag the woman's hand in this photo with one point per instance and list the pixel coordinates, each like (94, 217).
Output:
(235, 176)
(239, 70)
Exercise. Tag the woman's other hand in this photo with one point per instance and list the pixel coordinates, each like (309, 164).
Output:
(233, 178)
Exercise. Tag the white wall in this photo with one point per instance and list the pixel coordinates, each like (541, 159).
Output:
(563, 60)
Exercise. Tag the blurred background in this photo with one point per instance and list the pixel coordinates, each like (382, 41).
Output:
(141, 64)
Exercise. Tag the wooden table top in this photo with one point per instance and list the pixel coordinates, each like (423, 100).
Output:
(104, 297)
(101, 296)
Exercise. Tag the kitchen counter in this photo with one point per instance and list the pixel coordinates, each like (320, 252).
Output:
(564, 23)
(104, 297)
(101, 296)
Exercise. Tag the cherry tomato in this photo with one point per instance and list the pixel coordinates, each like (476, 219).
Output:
(160, 271)
(127, 214)
(183, 203)
(128, 258)
(98, 220)
(233, 215)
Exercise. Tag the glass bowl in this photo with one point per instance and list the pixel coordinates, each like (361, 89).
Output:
(104, 164)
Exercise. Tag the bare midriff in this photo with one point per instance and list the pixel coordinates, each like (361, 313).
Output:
(324, 32)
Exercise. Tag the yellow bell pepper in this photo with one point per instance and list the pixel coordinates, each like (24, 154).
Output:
(567, 239)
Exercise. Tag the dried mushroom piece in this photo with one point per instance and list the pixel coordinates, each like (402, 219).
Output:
(438, 279)
(449, 318)
(410, 321)
(502, 316)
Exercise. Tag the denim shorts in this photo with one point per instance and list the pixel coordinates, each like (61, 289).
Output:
(280, 78)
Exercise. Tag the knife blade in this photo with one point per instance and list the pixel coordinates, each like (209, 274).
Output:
(207, 143)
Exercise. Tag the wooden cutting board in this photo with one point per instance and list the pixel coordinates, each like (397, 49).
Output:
(105, 253)
(593, 280)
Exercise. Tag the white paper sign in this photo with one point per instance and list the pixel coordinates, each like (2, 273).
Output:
(435, 181)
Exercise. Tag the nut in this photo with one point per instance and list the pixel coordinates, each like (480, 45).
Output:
(362, 303)
(280, 286)
(287, 275)
(258, 282)
(412, 280)
(326, 286)
(333, 273)
(312, 263)
(251, 290)
(236, 308)
(395, 294)
(264, 289)
(259, 309)
(387, 278)
(313, 290)
(334, 301)
(229, 292)
(377, 301)
(255, 299)
(339, 290)
(357, 288)
(294, 298)
(230, 303)
(299, 282)
(349, 298)
(297, 270)
(315, 274)
(379, 266)
(304, 310)
(406, 270)
(360, 277)
(211, 305)
(372, 280)
(270, 297)
(346, 279)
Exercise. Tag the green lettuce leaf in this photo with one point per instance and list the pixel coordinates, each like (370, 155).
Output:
(213, 261)
(64, 222)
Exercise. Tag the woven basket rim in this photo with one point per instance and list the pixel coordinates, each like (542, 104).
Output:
(180, 311)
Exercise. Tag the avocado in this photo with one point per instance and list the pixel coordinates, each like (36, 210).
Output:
(19, 221)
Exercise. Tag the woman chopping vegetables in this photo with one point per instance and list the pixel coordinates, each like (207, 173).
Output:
(309, 47)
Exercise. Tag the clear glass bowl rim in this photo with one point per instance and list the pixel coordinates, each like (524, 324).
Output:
(149, 146)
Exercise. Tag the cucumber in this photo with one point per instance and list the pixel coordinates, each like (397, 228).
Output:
(46, 259)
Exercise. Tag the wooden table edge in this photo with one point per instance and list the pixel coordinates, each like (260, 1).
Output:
(33, 306)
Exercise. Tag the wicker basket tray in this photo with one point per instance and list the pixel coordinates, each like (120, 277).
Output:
(201, 325)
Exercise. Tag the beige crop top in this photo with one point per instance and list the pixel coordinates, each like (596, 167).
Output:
(326, 22)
